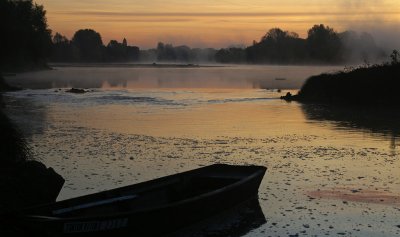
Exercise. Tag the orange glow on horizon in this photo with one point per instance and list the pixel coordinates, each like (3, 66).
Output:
(209, 24)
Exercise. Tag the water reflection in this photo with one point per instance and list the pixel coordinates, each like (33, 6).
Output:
(234, 223)
(202, 77)
(30, 117)
(381, 122)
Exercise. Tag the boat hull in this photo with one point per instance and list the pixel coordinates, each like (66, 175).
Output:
(153, 221)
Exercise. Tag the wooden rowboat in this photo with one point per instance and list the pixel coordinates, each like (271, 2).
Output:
(150, 208)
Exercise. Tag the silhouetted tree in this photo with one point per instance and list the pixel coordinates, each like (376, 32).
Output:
(323, 44)
(169, 52)
(165, 52)
(133, 53)
(63, 50)
(160, 51)
(395, 56)
(89, 44)
(183, 53)
(277, 35)
(149, 55)
(116, 51)
(60, 39)
(231, 55)
(277, 46)
(25, 37)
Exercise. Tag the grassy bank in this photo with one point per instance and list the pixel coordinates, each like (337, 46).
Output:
(375, 85)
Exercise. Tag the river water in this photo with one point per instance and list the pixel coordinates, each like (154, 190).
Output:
(331, 171)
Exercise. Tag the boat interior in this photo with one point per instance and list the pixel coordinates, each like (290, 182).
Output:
(143, 196)
(165, 193)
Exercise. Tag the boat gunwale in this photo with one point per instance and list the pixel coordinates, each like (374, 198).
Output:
(49, 218)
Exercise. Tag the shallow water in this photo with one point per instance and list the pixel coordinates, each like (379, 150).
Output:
(330, 171)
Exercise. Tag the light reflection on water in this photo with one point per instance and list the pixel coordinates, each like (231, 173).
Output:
(202, 77)
(117, 136)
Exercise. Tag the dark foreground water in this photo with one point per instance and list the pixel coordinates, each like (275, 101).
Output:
(331, 171)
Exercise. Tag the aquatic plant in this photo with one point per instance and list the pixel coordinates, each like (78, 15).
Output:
(375, 84)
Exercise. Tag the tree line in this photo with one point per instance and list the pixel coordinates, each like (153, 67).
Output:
(28, 41)
(87, 46)
(322, 45)
(169, 53)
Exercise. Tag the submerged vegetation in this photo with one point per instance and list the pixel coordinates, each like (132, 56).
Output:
(366, 85)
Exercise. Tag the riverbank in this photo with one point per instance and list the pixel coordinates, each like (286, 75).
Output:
(23, 180)
(375, 85)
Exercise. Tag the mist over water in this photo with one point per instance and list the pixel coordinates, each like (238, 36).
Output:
(384, 29)
(245, 77)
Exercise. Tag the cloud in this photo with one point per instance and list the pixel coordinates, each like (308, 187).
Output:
(222, 14)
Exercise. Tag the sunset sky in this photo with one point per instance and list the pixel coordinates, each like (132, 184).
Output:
(210, 23)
